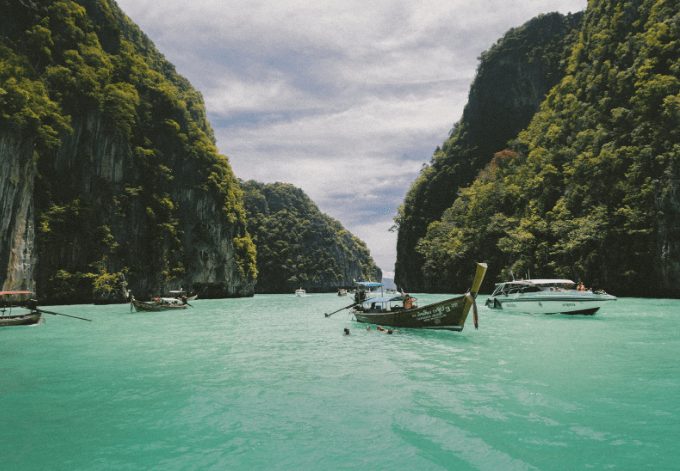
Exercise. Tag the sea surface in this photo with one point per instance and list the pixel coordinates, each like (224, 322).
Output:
(270, 383)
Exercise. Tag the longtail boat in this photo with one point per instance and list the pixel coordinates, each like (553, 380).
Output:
(10, 300)
(449, 314)
(160, 304)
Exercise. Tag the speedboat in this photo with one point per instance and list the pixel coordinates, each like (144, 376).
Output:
(300, 292)
(546, 296)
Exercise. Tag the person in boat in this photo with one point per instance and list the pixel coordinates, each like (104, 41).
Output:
(580, 286)
(32, 304)
(183, 298)
(408, 301)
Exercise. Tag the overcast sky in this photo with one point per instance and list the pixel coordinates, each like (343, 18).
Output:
(345, 99)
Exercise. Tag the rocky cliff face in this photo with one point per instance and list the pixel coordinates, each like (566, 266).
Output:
(299, 246)
(590, 188)
(512, 80)
(17, 224)
(108, 167)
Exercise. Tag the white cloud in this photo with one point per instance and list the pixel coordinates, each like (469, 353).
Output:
(345, 99)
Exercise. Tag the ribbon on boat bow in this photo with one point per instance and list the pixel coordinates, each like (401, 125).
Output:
(475, 314)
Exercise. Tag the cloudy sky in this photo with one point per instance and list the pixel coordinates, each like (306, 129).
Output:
(345, 99)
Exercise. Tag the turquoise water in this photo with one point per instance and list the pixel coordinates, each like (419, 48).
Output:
(269, 383)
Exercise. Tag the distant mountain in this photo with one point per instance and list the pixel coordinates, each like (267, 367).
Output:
(512, 80)
(298, 245)
(389, 283)
(591, 188)
(108, 166)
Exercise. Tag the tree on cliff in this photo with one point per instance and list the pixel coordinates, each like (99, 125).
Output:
(128, 179)
(512, 79)
(590, 189)
(298, 245)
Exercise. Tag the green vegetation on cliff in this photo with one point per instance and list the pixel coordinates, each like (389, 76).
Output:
(298, 245)
(129, 180)
(591, 189)
(512, 79)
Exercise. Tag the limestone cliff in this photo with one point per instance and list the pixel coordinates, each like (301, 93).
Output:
(17, 224)
(299, 246)
(108, 166)
(590, 188)
(512, 79)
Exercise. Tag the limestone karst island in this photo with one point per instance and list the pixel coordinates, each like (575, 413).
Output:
(339, 235)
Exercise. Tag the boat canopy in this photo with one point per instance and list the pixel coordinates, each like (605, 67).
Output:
(384, 299)
(368, 284)
(550, 281)
(542, 281)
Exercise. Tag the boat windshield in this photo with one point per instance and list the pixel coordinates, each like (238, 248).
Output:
(558, 285)
(532, 286)
(513, 288)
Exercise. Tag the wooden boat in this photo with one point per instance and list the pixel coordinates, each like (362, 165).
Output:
(29, 318)
(157, 305)
(13, 300)
(10, 300)
(449, 314)
(179, 293)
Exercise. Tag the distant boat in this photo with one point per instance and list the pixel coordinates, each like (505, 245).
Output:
(157, 304)
(11, 301)
(342, 292)
(300, 292)
(546, 296)
(401, 311)
(178, 293)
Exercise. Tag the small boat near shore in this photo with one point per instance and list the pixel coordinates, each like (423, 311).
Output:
(180, 293)
(157, 305)
(10, 301)
(546, 296)
(29, 313)
(401, 311)
(28, 318)
(300, 292)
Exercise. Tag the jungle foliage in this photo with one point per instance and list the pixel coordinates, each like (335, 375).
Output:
(77, 71)
(512, 79)
(298, 245)
(590, 188)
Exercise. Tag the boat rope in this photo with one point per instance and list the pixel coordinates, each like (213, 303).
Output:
(475, 314)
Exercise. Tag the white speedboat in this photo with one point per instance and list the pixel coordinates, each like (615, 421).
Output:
(546, 296)
(300, 292)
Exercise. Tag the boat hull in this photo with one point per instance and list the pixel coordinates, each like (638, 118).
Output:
(141, 306)
(444, 315)
(575, 305)
(23, 319)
